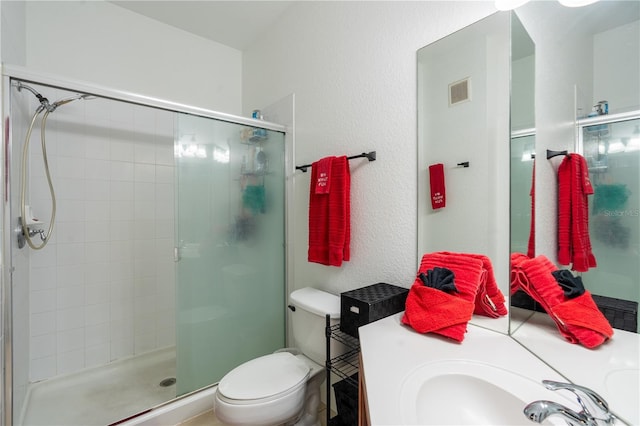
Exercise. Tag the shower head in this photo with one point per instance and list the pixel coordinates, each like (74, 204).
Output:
(44, 102)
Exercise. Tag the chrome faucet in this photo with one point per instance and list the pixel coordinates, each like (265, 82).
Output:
(595, 410)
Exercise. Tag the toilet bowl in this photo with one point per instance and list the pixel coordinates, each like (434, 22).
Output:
(283, 388)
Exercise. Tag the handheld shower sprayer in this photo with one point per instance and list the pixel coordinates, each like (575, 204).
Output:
(45, 105)
(61, 102)
(25, 228)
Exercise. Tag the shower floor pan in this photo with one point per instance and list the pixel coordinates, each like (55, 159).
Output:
(102, 395)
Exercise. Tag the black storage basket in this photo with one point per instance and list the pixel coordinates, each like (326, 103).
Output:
(371, 303)
(621, 314)
(346, 401)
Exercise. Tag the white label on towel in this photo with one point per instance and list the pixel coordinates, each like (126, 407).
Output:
(355, 309)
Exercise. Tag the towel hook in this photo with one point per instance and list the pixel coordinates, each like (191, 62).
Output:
(551, 154)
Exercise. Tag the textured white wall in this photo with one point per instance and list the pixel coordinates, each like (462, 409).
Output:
(616, 70)
(352, 67)
(99, 42)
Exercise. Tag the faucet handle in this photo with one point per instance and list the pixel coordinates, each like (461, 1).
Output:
(592, 403)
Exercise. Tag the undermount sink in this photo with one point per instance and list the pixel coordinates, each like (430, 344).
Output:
(462, 392)
(622, 387)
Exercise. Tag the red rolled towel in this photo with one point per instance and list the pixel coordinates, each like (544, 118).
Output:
(429, 310)
(584, 320)
(578, 319)
(436, 182)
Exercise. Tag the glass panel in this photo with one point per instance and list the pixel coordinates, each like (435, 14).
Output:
(93, 310)
(230, 232)
(613, 154)
(522, 152)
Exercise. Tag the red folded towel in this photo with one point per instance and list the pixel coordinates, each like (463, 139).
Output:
(330, 215)
(584, 320)
(574, 186)
(579, 320)
(489, 299)
(517, 276)
(436, 181)
(428, 310)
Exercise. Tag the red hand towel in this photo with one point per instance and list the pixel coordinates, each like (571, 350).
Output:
(436, 181)
(323, 175)
(564, 211)
(531, 247)
(489, 299)
(579, 320)
(574, 186)
(330, 216)
(444, 314)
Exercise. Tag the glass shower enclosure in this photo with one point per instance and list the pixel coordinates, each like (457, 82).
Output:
(230, 251)
(166, 267)
(611, 146)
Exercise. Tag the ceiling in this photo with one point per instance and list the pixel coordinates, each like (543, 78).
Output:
(238, 23)
(233, 23)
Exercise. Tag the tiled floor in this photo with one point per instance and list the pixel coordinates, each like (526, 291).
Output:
(210, 419)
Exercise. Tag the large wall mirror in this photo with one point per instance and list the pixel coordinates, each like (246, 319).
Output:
(575, 87)
(587, 101)
(463, 124)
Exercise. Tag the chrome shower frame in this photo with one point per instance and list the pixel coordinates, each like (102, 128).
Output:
(11, 74)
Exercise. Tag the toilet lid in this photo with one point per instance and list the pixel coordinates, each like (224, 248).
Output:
(264, 377)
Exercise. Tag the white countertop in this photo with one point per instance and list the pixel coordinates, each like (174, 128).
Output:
(391, 351)
(607, 369)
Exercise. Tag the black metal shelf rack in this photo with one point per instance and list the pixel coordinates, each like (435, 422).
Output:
(346, 366)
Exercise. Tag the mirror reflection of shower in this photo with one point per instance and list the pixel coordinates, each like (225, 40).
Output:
(28, 224)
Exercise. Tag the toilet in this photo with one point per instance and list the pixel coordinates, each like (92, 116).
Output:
(283, 388)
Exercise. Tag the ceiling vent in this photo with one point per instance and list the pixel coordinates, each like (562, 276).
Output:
(460, 91)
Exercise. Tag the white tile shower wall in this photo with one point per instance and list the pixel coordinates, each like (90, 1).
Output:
(103, 289)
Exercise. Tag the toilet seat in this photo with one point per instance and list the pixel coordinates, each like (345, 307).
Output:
(264, 379)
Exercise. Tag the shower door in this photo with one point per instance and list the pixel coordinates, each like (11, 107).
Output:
(612, 150)
(230, 263)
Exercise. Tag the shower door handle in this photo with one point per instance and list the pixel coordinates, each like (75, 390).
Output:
(176, 254)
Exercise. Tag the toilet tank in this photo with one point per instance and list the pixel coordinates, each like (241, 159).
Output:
(308, 322)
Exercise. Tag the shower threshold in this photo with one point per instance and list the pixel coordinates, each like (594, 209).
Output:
(102, 395)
